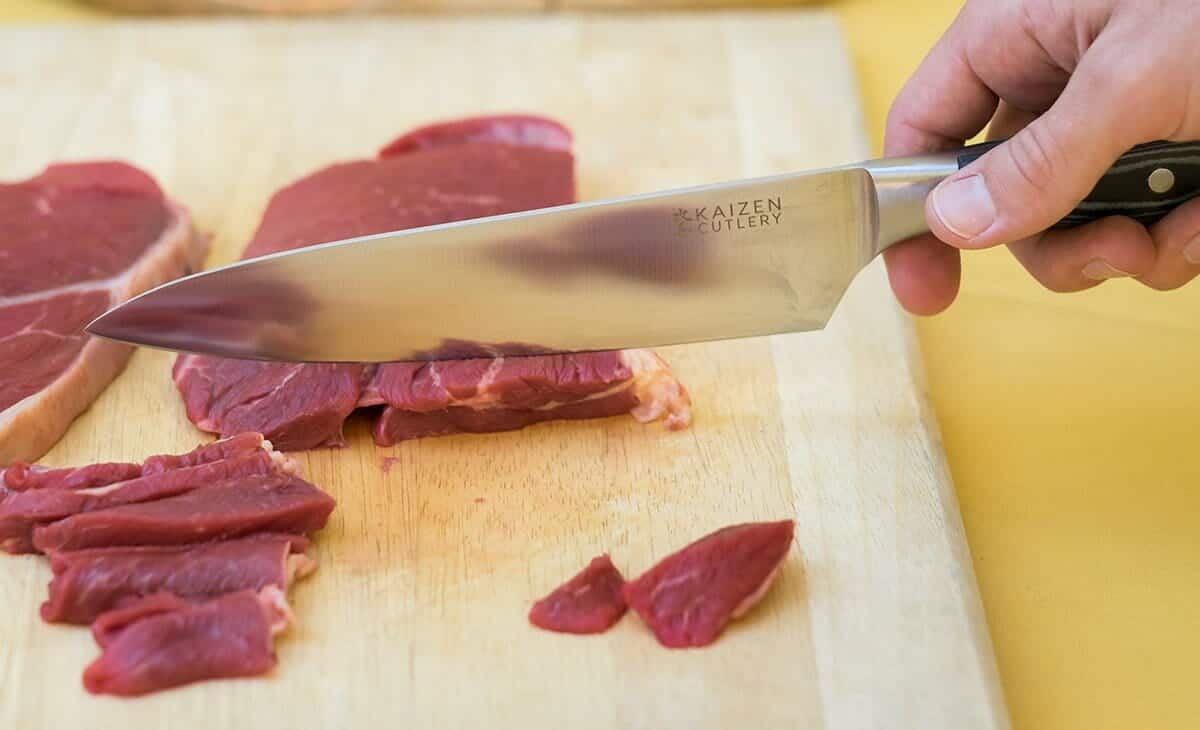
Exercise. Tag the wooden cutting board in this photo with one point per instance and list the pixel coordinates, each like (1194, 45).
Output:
(416, 617)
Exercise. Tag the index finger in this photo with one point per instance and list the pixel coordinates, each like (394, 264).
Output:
(944, 103)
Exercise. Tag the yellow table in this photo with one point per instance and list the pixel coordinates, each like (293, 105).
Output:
(1075, 458)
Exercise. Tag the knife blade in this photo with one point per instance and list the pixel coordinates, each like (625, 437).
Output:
(737, 259)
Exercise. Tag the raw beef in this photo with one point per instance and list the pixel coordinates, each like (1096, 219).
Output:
(180, 562)
(226, 448)
(21, 511)
(589, 603)
(689, 596)
(110, 624)
(20, 476)
(231, 508)
(87, 583)
(75, 240)
(167, 643)
(505, 393)
(440, 173)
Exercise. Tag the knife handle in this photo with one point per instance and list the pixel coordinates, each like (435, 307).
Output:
(1146, 183)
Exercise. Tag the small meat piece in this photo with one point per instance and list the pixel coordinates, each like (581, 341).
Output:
(226, 448)
(75, 240)
(22, 511)
(87, 583)
(20, 476)
(167, 643)
(296, 406)
(689, 596)
(589, 603)
(439, 173)
(232, 508)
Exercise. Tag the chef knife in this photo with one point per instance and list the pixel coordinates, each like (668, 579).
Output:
(738, 259)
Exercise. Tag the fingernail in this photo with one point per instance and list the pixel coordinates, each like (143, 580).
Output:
(965, 206)
(1099, 270)
(1191, 252)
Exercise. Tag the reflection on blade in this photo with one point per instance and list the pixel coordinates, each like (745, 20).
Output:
(640, 244)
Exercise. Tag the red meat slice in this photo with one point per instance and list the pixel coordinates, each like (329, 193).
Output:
(22, 511)
(110, 624)
(87, 583)
(167, 643)
(589, 603)
(436, 174)
(226, 448)
(20, 476)
(505, 393)
(688, 597)
(296, 406)
(75, 240)
(232, 508)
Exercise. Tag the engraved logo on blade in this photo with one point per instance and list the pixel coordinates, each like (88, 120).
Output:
(738, 215)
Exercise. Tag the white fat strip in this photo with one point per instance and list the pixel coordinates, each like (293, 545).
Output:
(489, 376)
(460, 200)
(187, 364)
(657, 390)
(275, 607)
(112, 285)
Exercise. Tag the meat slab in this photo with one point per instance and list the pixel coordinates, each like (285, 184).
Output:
(689, 596)
(88, 583)
(589, 603)
(165, 642)
(436, 174)
(75, 240)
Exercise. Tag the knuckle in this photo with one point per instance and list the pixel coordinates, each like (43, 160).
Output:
(1034, 155)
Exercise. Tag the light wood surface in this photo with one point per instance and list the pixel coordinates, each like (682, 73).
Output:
(416, 617)
(307, 7)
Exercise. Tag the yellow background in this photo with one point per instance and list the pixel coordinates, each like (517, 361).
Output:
(1072, 425)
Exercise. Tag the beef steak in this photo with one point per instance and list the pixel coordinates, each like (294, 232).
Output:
(436, 174)
(75, 240)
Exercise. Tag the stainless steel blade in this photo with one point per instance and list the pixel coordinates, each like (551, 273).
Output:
(737, 259)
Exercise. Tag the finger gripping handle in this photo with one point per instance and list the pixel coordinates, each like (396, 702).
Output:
(1146, 183)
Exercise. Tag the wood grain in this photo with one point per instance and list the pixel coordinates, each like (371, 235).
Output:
(333, 7)
(416, 617)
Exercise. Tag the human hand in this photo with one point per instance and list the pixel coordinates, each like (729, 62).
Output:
(1075, 83)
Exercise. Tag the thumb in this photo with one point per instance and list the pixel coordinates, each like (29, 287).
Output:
(1036, 177)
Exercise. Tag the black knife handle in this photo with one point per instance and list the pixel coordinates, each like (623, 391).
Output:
(1145, 183)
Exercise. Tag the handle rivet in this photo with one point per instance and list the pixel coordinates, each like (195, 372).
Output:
(1161, 180)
